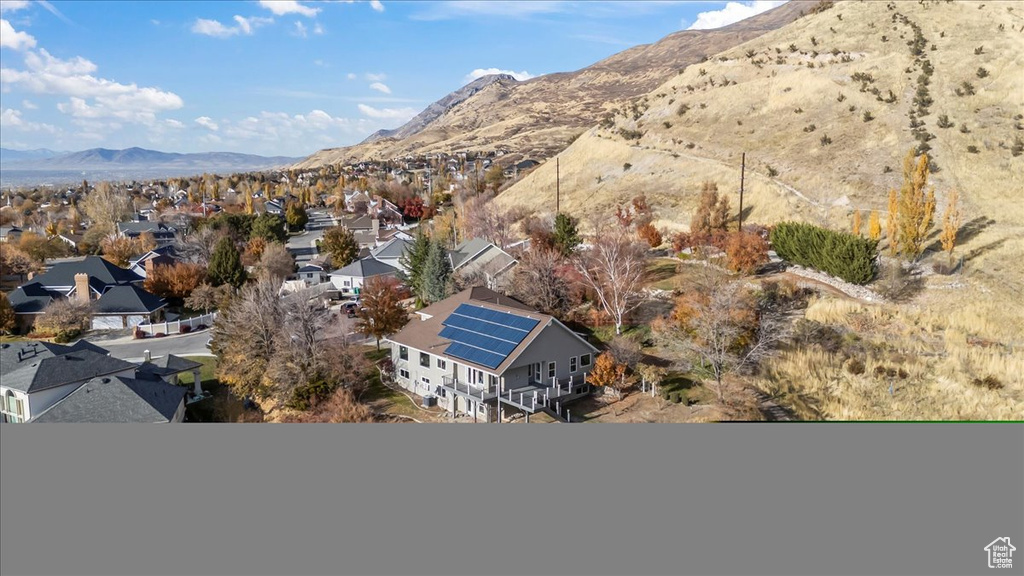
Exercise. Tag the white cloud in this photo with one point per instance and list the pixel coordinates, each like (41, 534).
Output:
(43, 61)
(733, 12)
(376, 77)
(318, 29)
(245, 26)
(380, 87)
(11, 38)
(172, 123)
(350, 76)
(481, 72)
(376, 5)
(300, 29)
(321, 63)
(12, 5)
(282, 7)
(401, 114)
(29, 105)
(46, 74)
(207, 122)
(11, 119)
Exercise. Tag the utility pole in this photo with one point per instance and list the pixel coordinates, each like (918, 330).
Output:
(557, 198)
(743, 166)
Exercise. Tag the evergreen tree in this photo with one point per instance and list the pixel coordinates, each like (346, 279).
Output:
(437, 274)
(270, 228)
(296, 216)
(226, 265)
(566, 235)
(413, 260)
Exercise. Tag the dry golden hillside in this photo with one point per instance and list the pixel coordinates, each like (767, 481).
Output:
(795, 101)
(540, 116)
(765, 98)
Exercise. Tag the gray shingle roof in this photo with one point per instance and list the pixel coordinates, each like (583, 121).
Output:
(117, 399)
(32, 298)
(14, 355)
(127, 300)
(365, 268)
(167, 365)
(467, 250)
(136, 228)
(77, 366)
(63, 274)
(393, 248)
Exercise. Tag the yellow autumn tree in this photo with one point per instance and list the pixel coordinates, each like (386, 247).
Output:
(916, 206)
(892, 223)
(856, 222)
(874, 226)
(951, 223)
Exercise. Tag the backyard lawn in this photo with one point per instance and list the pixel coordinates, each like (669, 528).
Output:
(223, 406)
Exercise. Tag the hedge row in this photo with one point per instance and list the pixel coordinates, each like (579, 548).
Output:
(840, 254)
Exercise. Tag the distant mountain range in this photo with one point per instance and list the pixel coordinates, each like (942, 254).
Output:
(137, 159)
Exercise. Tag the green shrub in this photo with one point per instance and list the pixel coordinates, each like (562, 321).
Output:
(304, 397)
(837, 253)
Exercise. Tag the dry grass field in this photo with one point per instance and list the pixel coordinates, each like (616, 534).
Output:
(765, 98)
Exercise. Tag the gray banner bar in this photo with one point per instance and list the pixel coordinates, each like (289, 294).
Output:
(504, 499)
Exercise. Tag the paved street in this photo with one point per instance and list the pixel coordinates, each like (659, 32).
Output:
(194, 344)
(127, 348)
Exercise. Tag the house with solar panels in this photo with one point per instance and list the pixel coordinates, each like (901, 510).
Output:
(485, 355)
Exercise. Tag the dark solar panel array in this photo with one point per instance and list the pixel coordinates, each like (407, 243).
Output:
(482, 336)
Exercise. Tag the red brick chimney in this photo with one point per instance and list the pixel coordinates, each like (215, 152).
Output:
(82, 287)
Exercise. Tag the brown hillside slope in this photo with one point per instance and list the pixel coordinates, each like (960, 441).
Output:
(773, 98)
(957, 330)
(538, 117)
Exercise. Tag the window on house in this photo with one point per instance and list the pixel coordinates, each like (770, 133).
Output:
(492, 380)
(551, 370)
(442, 364)
(572, 363)
(585, 360)
(13, 408)
(424, 359)
(425, 380)
(403, 373)
(403, 353)
(482, 407)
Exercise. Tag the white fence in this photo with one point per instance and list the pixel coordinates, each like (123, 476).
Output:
(175, 327)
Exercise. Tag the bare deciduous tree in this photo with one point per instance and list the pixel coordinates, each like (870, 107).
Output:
(106, 206)
(724, 326)
(613, 267)
(275, 263)
(539, 281)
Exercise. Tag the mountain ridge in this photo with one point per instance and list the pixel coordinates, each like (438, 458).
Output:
(145, 159)
(539, 116)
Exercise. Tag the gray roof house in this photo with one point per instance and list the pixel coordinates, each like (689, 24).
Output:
(391, 252)
(350, 279)
(37, 377)
(479, 261)
(34, 376)
(164, 234)
(119, 399)
(117, 299)
(487, 356)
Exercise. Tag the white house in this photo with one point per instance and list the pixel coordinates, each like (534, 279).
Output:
(350, 279)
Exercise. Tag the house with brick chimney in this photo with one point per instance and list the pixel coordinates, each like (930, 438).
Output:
(115, 294)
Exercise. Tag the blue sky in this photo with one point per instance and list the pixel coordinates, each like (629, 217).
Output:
(288, 78)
